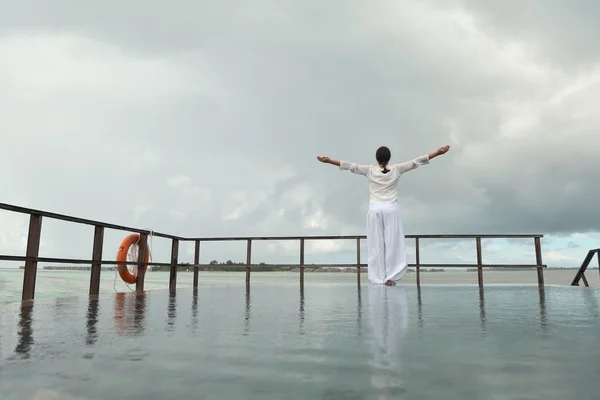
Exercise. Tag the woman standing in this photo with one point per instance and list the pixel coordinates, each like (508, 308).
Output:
(385, 235)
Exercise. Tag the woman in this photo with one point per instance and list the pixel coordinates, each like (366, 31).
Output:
(385, 236)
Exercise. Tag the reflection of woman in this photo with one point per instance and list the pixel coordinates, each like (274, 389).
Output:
(388, 315)
(385, 235)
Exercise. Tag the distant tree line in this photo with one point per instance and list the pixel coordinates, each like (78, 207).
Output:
(228, 265)
(229, 262)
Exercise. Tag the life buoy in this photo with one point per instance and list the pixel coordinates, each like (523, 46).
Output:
(124, 273)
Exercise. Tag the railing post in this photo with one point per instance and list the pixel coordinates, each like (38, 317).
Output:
(358, 261)
(598, 255)
(538, 260)
(32, 252)
(96, 258)
(174, 259)
(418, 261)
(248, 260)
(479, 263)
(196, 262)
(302, 264)
(141, 263)
(581, 271)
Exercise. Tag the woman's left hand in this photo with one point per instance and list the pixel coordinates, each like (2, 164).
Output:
(323, 159)
(443, 150)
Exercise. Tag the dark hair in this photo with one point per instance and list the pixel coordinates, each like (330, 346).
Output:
(383, 156)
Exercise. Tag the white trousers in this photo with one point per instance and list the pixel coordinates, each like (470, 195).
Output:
(385, 242)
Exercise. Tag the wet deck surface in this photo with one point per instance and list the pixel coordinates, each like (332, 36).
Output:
(329, 342)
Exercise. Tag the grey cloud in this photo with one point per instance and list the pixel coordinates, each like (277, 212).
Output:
(562, 31)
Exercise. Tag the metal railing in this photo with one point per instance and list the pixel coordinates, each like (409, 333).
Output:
(580, 275)
(32, 258)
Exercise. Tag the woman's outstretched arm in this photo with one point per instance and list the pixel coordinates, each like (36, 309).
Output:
(439, 152)
(346, 166)
(327, 160)
(423, 160)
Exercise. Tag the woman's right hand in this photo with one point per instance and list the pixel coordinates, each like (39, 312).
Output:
(323, 159)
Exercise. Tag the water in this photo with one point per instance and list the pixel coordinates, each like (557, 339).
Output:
(332, 341)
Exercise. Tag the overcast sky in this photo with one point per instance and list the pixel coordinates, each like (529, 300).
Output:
(205, 119)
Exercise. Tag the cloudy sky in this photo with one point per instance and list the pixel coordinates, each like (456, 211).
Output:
(205, 119)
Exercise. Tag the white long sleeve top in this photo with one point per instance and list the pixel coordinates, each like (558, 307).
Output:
(383, 188)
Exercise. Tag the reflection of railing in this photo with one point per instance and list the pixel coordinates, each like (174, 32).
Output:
(130, 318)
(580, 275)
(32, 258)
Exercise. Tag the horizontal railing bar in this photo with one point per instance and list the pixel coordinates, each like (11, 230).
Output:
(68, 218)
(344, 237)
(113, 262)
(78, 261)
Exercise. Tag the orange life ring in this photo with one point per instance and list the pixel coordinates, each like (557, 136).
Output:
(124, 273)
